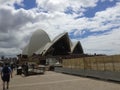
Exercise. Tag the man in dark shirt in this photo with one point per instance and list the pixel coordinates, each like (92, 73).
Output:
(6, 72)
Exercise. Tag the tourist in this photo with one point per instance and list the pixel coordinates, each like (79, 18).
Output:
(6, 72)
(26, 69)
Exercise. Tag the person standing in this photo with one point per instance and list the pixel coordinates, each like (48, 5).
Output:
(26, 69)
(6, 72)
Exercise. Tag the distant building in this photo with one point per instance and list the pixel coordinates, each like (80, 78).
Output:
(40, 44)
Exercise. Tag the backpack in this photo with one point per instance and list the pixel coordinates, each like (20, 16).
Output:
(6, 70)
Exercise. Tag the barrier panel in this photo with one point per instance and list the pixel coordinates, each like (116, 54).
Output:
(99, 63)
(105, 67)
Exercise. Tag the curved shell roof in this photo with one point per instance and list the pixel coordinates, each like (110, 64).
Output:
(76, 45)
(55, 40)
(25, 50)
(40, 43)
(38, 40)
(73, 45)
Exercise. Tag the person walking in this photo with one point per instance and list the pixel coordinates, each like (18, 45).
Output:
(6, 72)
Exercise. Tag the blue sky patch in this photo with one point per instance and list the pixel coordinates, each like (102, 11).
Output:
(101, 6)
(28, 4)
(87, 33)
(69, 10)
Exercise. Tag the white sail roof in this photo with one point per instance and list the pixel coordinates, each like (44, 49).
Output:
(38, 40)
(40, 43)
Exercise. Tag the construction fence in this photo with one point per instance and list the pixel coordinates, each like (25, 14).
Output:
(99, 63)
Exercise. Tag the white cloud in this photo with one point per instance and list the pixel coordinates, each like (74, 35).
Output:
(103, 44)
(108, 0)
(52, 5)
(17, 26)
(60, 5)
(103, 20)
(11, 19)
(9, 51)
(10, 2)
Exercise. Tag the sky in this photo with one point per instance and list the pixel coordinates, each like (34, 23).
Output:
(95, 23)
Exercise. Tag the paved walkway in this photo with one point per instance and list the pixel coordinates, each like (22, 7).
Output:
(57, 81)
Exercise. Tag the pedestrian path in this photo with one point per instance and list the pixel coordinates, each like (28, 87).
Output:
(57, 81)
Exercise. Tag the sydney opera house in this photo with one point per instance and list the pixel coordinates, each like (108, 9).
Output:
(40, 44)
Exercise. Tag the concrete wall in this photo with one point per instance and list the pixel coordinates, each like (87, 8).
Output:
(106, 75)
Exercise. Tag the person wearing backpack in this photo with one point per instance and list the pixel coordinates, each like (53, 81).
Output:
(6, 72)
